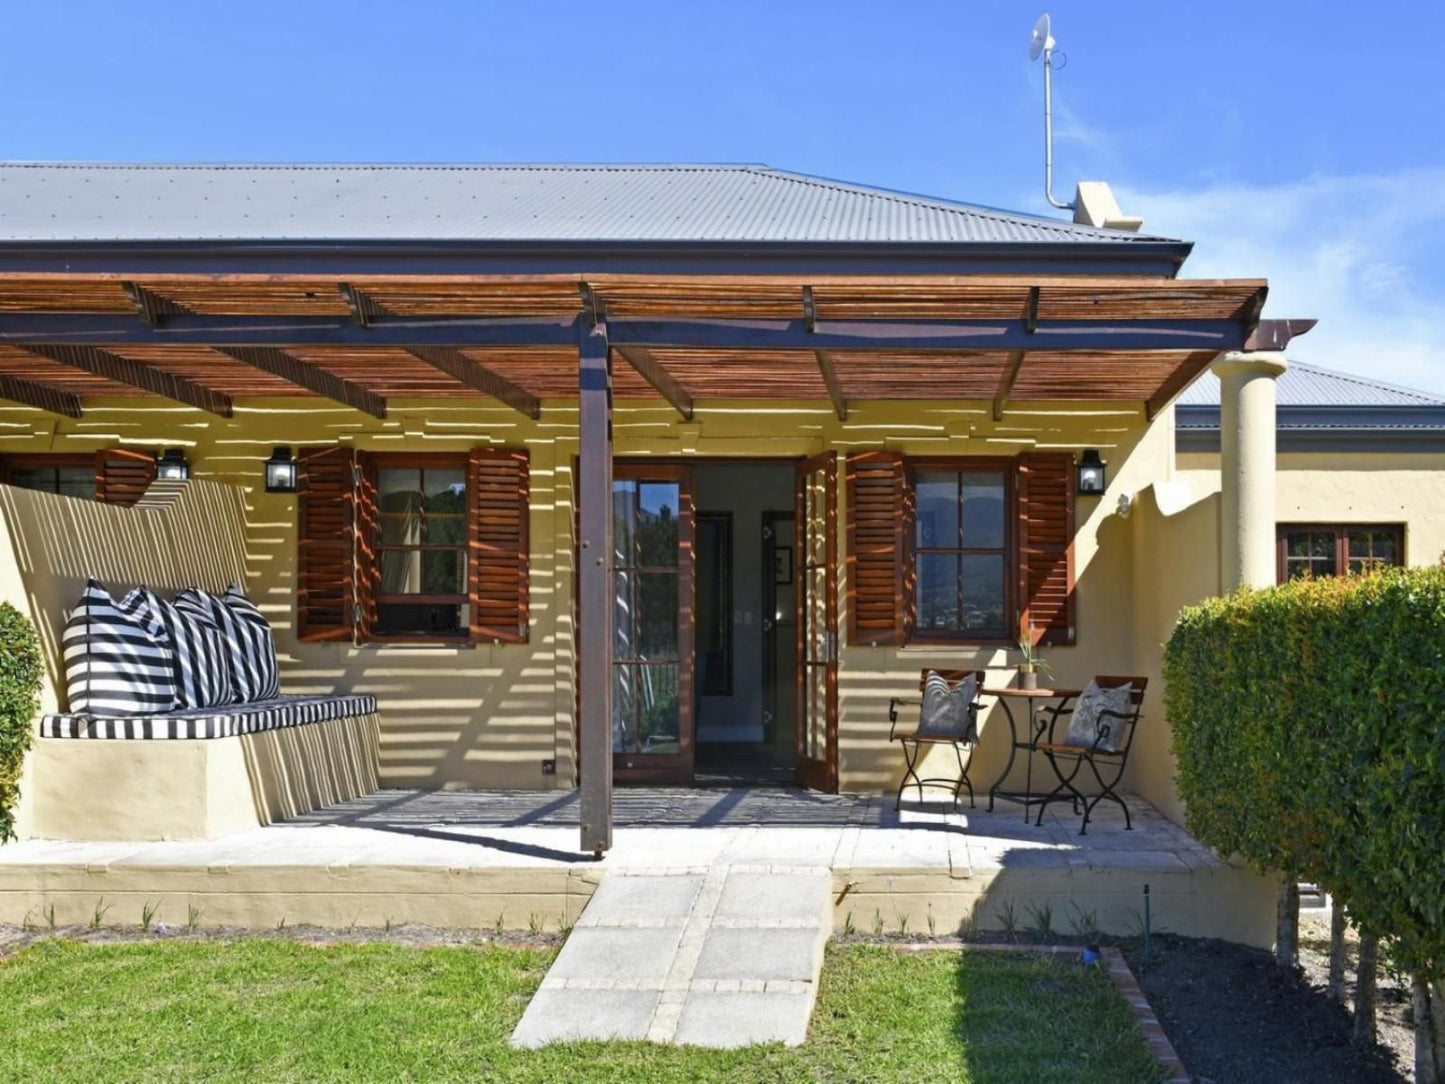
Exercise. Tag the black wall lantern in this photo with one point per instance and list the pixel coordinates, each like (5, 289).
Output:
(171, 466)
(1091, 480)
(281, 471)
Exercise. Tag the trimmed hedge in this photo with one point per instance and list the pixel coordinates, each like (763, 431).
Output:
(1309, 726)
(20, 671)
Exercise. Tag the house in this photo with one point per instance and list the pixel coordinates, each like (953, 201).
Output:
(660, 473)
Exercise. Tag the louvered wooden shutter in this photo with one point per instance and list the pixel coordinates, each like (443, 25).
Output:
(122, 475)
(498, 489)
(877, 551)
(326, 543)
(1046, 546)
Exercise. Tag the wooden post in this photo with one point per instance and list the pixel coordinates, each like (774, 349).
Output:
(594, 641)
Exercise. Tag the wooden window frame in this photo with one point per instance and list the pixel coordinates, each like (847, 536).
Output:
(1342, 546)
(29, 460)
(371, 550)
(1007, 466)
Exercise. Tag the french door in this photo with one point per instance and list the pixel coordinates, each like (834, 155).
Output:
(816, 535)
(652, 627)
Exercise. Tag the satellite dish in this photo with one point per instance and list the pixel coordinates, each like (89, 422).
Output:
(1040, 40)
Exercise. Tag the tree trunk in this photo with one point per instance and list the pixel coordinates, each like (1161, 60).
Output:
(1365, 990)
(1429, 1006)
(1286, 935)
(1337, 953)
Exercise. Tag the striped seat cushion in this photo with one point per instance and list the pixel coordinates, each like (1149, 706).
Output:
(226, 722)
(255, 674)
(202, 661)
(118, 661)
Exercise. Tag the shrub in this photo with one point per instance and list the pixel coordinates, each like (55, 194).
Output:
(20, 670)
(1309, 726)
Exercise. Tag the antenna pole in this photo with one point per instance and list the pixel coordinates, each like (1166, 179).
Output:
(1049, 131)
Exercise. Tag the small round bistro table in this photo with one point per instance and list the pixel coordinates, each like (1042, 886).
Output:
(1039, 721)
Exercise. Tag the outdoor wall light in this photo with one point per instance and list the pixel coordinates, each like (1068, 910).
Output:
(1091, 474)
(281, 471)
(171, 466)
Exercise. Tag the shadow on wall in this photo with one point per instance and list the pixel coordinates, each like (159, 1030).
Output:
(56, 543)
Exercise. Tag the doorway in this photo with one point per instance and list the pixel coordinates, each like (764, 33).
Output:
(724, 592)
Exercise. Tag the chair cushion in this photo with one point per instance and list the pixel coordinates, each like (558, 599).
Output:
(202, 661)
(947, 712)
(255, 674)
(1084, 725)
(118, 660)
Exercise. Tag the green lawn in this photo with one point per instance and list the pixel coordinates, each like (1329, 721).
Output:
(276, 1010)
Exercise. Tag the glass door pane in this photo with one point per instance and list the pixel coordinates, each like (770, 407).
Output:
(817, 601)
(651, 664)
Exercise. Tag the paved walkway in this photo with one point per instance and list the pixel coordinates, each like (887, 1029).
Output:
(723, 957)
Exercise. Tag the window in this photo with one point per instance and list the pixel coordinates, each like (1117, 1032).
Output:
(1322, 550)
(961, 553)
(421, 546)
(69, 476)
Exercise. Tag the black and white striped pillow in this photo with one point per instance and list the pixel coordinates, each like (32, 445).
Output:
(255, 674)
(202, 660)
(117, 657)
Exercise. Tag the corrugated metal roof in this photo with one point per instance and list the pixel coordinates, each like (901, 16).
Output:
(1304, 385)
(579, 203)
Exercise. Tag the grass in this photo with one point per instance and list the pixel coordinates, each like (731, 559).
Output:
(279, 1011)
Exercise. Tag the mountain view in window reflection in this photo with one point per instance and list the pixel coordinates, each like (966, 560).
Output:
(960, 552)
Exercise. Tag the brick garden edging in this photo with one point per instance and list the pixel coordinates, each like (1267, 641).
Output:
(1124, 981)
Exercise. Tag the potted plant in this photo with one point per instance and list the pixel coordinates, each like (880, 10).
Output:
(1032, 664)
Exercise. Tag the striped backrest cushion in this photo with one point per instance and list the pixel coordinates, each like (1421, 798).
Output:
(254, 673)
(266, 674)
(202, 660)
(117, 658)
(948, 709)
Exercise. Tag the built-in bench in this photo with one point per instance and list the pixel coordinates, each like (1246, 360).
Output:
(201, 773)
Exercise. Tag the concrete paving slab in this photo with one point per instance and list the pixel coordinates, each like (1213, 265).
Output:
(743, 953)
(572, 1015)
(731, 1020)
(775, 897)
(605, 954)
(642, 900)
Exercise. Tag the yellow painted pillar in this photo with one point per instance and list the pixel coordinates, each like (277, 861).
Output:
(1247, 461)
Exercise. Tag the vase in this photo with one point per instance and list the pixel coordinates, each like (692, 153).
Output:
(1028, 679)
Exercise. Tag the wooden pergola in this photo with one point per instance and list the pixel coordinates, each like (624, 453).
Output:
(207, 339)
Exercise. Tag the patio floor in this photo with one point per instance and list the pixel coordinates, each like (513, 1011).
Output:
(472, 859)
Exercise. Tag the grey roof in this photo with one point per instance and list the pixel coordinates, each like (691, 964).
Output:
(42, 201)
(1321, 410)
(1304, 385)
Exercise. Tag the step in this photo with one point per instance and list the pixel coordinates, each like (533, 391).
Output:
(721, 957)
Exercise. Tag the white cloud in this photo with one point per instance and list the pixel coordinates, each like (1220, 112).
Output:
(1361, 253)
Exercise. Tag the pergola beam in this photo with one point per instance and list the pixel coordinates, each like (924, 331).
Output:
(314, 379)
(1006, 383)
(148, 378)
(663, 382)
(914, 336)
(151, 306)
(477, 376)
(830, 381)
(40, 396)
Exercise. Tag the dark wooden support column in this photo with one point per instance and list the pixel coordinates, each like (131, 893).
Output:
(594, 637)
(661, 380)
(830, 381)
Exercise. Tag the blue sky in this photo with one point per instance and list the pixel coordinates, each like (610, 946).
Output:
(1301, 142)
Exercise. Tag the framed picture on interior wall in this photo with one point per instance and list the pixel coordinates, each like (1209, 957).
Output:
(783, 565)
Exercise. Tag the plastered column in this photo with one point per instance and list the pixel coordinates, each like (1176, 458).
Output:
(1246, 445)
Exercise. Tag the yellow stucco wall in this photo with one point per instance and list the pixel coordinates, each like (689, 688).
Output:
(489, 715)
